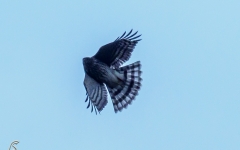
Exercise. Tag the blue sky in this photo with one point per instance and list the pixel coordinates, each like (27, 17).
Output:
(190, 57)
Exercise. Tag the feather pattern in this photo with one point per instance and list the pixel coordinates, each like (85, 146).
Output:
(96, 94)
(116, 53)
(123, 95)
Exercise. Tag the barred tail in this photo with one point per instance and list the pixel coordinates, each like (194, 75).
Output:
(123, 95)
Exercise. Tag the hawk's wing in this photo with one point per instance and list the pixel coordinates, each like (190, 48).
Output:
(116, 53)
(96, 93)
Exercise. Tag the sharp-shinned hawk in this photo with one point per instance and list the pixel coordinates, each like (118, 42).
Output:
(103, 70)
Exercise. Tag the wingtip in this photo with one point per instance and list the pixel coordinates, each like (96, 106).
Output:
(130, 36)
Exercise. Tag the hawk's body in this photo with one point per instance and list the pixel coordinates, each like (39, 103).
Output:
(122, 83)
(101, 72)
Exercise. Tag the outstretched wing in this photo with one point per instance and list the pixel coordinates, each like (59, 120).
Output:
(96, 94)
(116, 53)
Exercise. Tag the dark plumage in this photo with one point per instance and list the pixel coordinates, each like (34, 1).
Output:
(103, 70)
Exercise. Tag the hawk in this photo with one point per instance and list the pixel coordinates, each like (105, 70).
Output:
(103, 72)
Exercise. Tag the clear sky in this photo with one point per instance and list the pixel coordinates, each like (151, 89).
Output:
(190, 55)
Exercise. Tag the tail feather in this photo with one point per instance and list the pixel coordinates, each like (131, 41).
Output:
(123, 95)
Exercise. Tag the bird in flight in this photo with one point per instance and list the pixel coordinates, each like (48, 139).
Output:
(103, 72)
